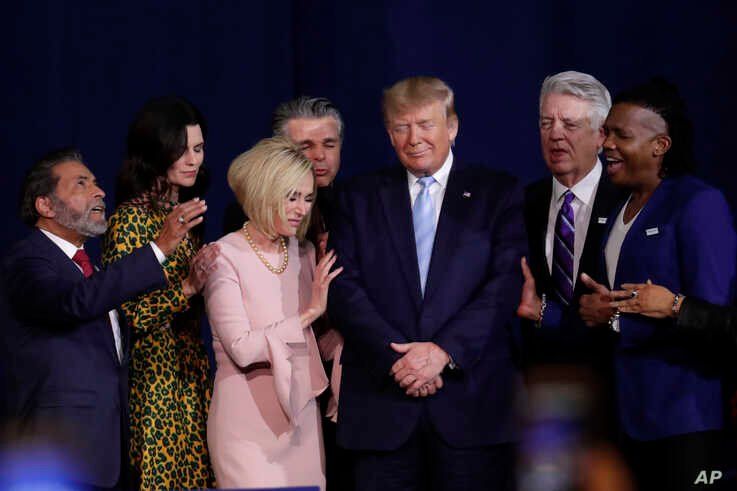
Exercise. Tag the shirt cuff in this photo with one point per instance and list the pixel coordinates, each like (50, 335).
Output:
(160, 256)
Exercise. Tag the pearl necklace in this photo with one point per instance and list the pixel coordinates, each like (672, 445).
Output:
(260, 255)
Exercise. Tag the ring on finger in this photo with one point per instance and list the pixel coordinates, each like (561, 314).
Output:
(181, 219)
(634, 293)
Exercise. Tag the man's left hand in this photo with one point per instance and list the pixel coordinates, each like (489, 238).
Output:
(421, 363)
(595, 308)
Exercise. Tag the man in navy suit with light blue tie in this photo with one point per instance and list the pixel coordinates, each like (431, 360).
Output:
(64, 346)
(430, 252)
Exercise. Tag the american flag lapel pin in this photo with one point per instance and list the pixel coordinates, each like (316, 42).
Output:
(466, 194)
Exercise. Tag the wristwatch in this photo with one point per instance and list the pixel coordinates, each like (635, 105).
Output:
(614, 321)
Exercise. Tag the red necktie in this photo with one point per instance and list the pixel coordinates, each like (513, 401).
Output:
(83, 260)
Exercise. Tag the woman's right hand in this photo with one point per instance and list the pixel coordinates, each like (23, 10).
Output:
(178, 222)
(320, 286)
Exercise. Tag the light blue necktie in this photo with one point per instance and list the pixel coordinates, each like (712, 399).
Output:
(423, 219)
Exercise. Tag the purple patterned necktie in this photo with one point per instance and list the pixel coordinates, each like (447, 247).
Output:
(565, 231)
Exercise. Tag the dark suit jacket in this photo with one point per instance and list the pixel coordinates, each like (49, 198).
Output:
(563, 337)
(684, 240)
(471, 292)
(65, 383)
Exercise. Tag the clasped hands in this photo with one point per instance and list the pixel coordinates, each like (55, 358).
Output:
(418, 370)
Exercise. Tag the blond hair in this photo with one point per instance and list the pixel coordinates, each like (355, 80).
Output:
(264, 176)
(415, 92)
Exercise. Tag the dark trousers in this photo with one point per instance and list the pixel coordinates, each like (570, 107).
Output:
(426, 462)
(338, 464)
(703, 460)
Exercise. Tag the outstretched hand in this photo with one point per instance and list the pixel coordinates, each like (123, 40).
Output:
(530, 303)
(182, 218)
(320, 286)
(595, 308)
(650, 300)
(200, 268)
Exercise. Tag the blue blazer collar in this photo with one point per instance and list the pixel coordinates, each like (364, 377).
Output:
(642, 221)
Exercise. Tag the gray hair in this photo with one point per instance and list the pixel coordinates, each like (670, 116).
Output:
(304, 107)
(584, 87)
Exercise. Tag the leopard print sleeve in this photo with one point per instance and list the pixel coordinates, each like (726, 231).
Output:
(134, 226)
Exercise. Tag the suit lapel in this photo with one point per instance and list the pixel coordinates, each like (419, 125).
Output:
(636, 233)
(457, 198)
(394, 196)
(539, 208)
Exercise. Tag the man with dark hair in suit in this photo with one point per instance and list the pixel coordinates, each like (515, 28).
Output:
(315, 125)
(64, 344)
(565, 216)
(425, 301)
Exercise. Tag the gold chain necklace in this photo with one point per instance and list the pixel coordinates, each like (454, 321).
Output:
(260, 255)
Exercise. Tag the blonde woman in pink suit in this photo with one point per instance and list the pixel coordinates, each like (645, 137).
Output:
(263, 427)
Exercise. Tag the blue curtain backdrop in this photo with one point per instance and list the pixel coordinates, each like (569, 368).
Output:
(75, 72)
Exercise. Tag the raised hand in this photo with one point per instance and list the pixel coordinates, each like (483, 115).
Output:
(178, 222)
(200, 268)
(530, 303)
(320, 285)
(595, 308)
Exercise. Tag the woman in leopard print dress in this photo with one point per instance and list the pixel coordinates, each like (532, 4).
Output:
(170, 383)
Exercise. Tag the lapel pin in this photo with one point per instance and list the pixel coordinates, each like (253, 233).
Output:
(602, 220)
(652, 231)
(466, 194)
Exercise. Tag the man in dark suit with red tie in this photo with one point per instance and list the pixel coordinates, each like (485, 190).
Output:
(64, 344)
(430, 251)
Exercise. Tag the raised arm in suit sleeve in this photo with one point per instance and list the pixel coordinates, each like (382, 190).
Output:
(350, 306)
(36, 285)
(488, 314)
(245, 343)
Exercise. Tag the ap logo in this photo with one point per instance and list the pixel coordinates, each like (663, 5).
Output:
(708, 477)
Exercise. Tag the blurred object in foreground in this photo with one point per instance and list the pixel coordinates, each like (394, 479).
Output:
(561, 448)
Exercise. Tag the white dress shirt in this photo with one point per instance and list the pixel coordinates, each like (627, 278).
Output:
(585, 193)
(614, 243)
(70, 250)
(437, 189)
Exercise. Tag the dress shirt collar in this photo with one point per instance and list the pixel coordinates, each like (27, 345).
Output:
(67, 247)
(583, 189)
(441, 176)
